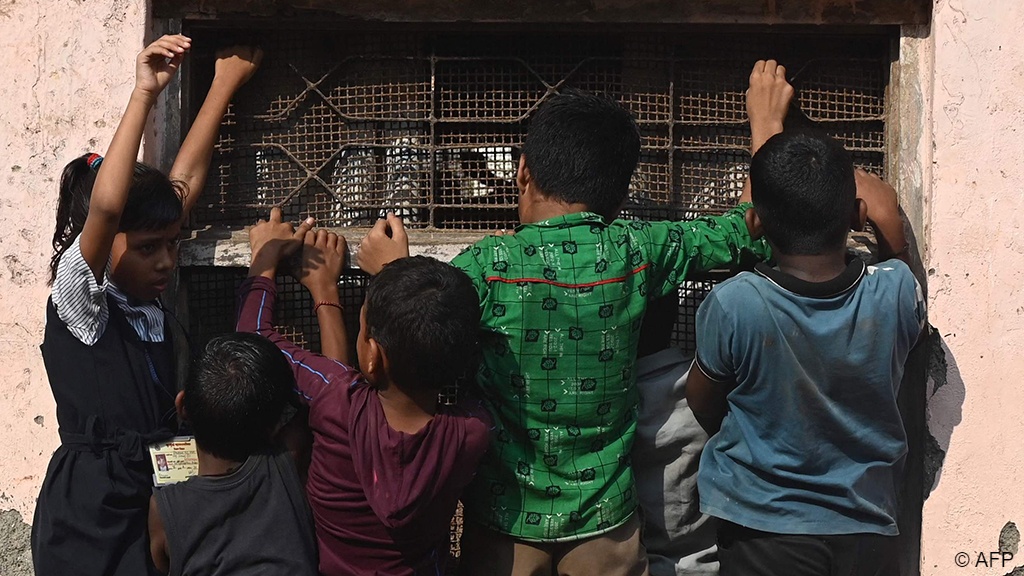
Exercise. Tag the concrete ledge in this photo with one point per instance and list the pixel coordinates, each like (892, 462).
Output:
(229, 247)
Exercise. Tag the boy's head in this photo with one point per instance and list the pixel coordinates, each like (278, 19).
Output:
(235, 395)
(804, 192)
(581, 148)
(423, 316)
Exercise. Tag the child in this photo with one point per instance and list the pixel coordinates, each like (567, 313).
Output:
(564, 299)
(388, 463)
(807, 359)
(107, 346)
(680, 540)
(246, 512)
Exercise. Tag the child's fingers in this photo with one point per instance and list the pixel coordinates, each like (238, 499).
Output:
(758, 68)
(780, 71)
(275, 215)
(175, 61)
(309, 239)
(397, 227)
(380, 228)
(341, 245)
(304, 227)
(321, 237)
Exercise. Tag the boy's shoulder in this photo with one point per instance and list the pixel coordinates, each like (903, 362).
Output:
(475, 420)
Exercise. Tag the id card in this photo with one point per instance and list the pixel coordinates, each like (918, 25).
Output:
(174, 461)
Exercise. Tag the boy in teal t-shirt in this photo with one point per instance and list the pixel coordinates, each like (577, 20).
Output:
(562, 302)
(797, 371)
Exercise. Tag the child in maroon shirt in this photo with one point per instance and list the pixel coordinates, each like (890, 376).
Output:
(388, 462)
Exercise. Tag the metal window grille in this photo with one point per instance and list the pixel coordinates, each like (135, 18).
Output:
(343, 125)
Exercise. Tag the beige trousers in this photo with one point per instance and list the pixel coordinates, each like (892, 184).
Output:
(615, 553)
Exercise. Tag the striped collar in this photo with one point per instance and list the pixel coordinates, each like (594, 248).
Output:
(147, 318)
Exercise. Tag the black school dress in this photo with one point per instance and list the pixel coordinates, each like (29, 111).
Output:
(113, 399)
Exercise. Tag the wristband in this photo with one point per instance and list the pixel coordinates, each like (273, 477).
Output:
(326, 303)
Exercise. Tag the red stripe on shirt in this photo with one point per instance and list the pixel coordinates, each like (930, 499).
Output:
(563, 284)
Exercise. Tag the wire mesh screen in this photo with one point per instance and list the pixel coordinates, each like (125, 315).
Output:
(343, 126)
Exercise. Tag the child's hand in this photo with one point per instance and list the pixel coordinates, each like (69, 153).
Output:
(156, 65)
(272, 240)
(768, 100)
(385, 243)
(236, 65)
(323, 259)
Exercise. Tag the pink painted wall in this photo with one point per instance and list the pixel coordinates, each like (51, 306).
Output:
(68, 73)
(975, 254)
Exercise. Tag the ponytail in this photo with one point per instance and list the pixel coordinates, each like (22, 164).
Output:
(153, 202)
(72, 206)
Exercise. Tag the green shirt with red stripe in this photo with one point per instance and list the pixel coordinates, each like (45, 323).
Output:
(562, 303)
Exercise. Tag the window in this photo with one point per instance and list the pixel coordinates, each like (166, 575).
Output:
(344, 124)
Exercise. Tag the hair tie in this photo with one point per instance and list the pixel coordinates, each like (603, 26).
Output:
(94, 161)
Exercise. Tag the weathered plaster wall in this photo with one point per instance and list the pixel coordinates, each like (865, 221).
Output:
(67, 73)
(975, 258)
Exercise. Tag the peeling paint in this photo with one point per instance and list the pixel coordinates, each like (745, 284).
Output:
(937, 365)
(934, 456)
(15, 552)
(1009, 538)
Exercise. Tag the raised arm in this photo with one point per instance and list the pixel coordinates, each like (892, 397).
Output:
(883, 212)
(234, 67)
(271, 242)
(768, 100)
(154, 68)
(323, 259)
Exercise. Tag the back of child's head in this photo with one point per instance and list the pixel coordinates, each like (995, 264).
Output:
(154, 202)
(236, 393)
(583, 148)
(425, 314)
(804, 192)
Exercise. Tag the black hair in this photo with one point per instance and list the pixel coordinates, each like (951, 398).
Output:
(425, 314)
(235, 394)
(154, 202)
(583, 147)
(804, 191)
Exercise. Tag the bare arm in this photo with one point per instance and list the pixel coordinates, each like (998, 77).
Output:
(154, 68)
(707, 398)
(768, 100)
(323, 258)
(158, 538)
(883, 212)
(234, 67)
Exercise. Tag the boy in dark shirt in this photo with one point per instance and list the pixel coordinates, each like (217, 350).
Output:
(245, 513)
(388, 462)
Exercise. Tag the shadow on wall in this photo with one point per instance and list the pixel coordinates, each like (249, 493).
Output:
(944, 410)
(944, 403)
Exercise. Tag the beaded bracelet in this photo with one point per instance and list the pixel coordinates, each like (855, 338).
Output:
(326, 303)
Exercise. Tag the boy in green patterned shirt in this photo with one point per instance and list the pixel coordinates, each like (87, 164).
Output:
(562, 302)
